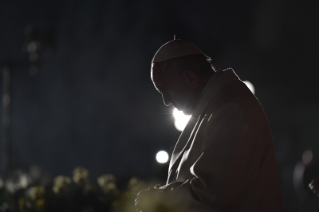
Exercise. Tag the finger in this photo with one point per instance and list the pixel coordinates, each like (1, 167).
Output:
(157, 186)
(138, 209)
(140, 193)
(138, 205)
(138, 199)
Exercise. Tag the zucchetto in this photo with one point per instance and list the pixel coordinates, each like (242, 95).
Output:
(174, 49)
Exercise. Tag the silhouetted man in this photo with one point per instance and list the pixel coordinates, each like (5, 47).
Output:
(224, 159)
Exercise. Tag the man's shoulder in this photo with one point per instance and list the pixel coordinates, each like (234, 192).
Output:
(236, 94)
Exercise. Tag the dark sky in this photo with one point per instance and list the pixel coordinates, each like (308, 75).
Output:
(92, 103)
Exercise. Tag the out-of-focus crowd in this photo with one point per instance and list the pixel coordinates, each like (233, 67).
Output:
(34, 192)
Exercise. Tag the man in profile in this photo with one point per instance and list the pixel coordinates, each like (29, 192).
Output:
(224, 160)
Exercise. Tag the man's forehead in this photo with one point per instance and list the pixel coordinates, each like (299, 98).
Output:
(152, 69)
(155, 66)
(158, 78)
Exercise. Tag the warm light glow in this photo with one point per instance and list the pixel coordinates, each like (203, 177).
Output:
(162, 157)
(181, 119)
(250, 86)
(307, 157)
(32, 47)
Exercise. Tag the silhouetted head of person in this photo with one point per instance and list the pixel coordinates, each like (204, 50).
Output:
(180, 71)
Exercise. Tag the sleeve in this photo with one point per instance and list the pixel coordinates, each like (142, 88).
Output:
(227, 164)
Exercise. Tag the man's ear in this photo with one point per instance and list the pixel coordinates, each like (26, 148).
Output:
(191, 77)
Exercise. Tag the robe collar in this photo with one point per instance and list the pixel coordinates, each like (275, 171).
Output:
(213, 86)
(219, 80)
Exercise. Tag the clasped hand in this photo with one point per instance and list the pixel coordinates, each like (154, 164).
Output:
(146, 198)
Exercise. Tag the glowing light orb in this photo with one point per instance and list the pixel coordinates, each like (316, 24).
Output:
(250, 86)
(181, 119)
(307, 156)
(162, 157)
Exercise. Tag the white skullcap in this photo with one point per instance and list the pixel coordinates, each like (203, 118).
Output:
(175, 48)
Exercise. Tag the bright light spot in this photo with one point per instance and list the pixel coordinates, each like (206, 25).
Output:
(162, 157)
(181, 119)
(23, 182)
(307, 157)
(5, 99)
(32, 47)
(250, 86)
(10, 186)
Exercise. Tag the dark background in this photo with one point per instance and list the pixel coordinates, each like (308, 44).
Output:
(92, 103)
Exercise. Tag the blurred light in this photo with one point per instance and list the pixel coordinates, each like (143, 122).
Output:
(105, 179)
(61, 184)
(6, 99)
(307, 157)
(181, 119)
(80, 175)
(35, 192)
(162, 157)
(10, 186)
(250, 86)
(32, 47)
(23, 182)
